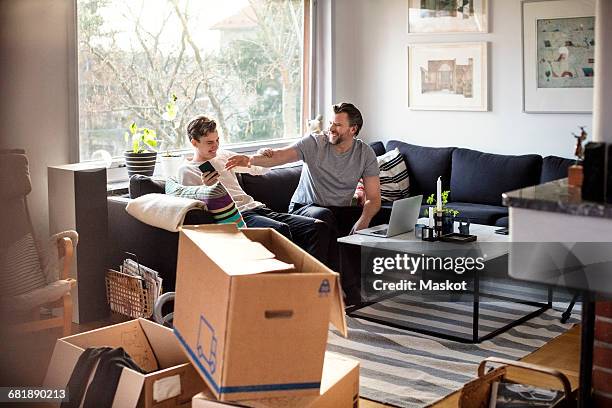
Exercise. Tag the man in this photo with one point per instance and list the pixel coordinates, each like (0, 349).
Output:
(309, 233)
(333, 164)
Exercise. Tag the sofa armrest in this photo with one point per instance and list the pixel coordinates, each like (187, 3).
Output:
(154, 247)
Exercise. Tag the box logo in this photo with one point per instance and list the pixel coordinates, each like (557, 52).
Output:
(207, 344)
(324, 288)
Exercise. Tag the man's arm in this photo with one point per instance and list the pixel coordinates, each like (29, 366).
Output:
(272, 157)
(371, 186)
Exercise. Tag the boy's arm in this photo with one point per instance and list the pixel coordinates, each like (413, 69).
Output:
(269, 158)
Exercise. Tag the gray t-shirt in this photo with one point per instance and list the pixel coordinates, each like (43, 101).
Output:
(329, 178)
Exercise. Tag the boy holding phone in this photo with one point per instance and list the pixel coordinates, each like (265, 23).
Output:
(208, 167)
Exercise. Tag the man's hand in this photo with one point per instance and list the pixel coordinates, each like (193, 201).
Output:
(359, 225)
(210, 178)
(239, 160)
(266, 152)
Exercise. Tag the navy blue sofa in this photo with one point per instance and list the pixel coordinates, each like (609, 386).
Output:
(476, 180)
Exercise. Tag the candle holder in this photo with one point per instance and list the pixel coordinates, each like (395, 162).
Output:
(439, 222)
(428, 234)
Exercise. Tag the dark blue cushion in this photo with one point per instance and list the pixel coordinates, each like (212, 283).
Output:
(479, 213)
(554, 168)
(481, 178)
(141, 185)
(275, 188)
(378, 148)
(425, 165)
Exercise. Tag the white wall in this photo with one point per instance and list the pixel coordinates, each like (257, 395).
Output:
(34, 90)
(371, 65)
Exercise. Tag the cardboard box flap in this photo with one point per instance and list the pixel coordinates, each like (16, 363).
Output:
(337, 316)
(238, 267)
(162, 338)
(128, 335)
(128, 389)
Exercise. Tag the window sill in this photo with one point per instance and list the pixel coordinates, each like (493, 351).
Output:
(118, 182)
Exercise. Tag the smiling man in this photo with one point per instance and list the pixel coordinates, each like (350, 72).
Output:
(307, 232)
(333, 164)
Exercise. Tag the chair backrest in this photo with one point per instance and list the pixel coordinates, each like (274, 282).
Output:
(20, 260)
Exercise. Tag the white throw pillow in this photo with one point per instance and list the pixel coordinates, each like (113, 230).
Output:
(394, 181)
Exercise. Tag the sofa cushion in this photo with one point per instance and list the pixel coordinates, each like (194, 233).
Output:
(394, 180)
(425, 165)
(275, 188)
(481, 178)
(141, 185)
(479, 213)
(378, 147)
(554, 168)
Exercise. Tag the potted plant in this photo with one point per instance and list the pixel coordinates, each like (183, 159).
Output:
(141, 158)
(448, 214)
(170, 163)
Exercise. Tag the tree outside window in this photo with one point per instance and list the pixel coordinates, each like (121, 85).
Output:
(159, 63)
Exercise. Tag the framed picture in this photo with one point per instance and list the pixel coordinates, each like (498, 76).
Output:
(447, 16)
(558, 56)
(450, 76)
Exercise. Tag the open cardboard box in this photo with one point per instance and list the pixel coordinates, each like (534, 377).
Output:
(252, 311)
(339, 389)
(171, 380)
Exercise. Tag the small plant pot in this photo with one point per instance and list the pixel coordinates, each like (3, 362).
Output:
(170, 165)
(140, 163)
(575, 175)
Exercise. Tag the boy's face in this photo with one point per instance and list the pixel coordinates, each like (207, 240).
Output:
(208, 145)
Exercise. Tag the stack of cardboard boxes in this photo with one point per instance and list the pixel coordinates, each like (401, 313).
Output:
(251, 314)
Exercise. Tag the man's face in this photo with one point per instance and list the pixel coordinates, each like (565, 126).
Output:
(207, 145)
(340, 130)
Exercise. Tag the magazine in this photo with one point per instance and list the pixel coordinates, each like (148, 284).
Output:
(512, 395)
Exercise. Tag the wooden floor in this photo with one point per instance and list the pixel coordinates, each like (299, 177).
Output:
(24, 360)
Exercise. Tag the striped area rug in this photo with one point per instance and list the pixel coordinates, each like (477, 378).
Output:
(407, 369)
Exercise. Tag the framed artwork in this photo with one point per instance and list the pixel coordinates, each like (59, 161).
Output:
(558, 56)
(451, 76)
(447, 16)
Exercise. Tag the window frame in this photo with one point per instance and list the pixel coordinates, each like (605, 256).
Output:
(117, 171)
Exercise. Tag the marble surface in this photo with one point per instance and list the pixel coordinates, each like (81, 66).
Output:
(556, 196)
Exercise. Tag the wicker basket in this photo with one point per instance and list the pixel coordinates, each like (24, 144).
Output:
(128, 295)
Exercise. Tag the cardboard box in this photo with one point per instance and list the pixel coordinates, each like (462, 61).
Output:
(171, 381)
(251, 305)
(339, 389)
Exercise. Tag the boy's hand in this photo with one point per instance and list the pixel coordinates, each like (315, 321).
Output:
(210, 178)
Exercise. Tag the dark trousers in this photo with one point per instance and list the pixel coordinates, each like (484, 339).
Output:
(339, 221)
(308, 233)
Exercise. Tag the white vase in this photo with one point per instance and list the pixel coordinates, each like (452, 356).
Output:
(170, 165)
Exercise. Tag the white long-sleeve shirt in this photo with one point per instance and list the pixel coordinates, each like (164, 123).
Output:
(190, 175)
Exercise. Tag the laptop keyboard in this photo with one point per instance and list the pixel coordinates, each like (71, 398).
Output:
(380, 232)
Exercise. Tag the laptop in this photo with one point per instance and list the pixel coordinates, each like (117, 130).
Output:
(404, 215)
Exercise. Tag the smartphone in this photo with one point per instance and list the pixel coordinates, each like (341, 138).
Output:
(206, 167)
(502, 231)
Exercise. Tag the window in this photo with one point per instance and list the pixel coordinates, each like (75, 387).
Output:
(158, 63)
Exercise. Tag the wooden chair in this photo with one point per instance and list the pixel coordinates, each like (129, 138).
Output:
(33, 279)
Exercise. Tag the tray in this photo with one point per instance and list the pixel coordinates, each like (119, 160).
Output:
(458, 238)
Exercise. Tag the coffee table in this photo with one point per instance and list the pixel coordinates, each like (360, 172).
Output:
(353, 246)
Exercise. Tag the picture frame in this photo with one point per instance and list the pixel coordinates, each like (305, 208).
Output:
(448, 16)
(448, 76)
(558, 55)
